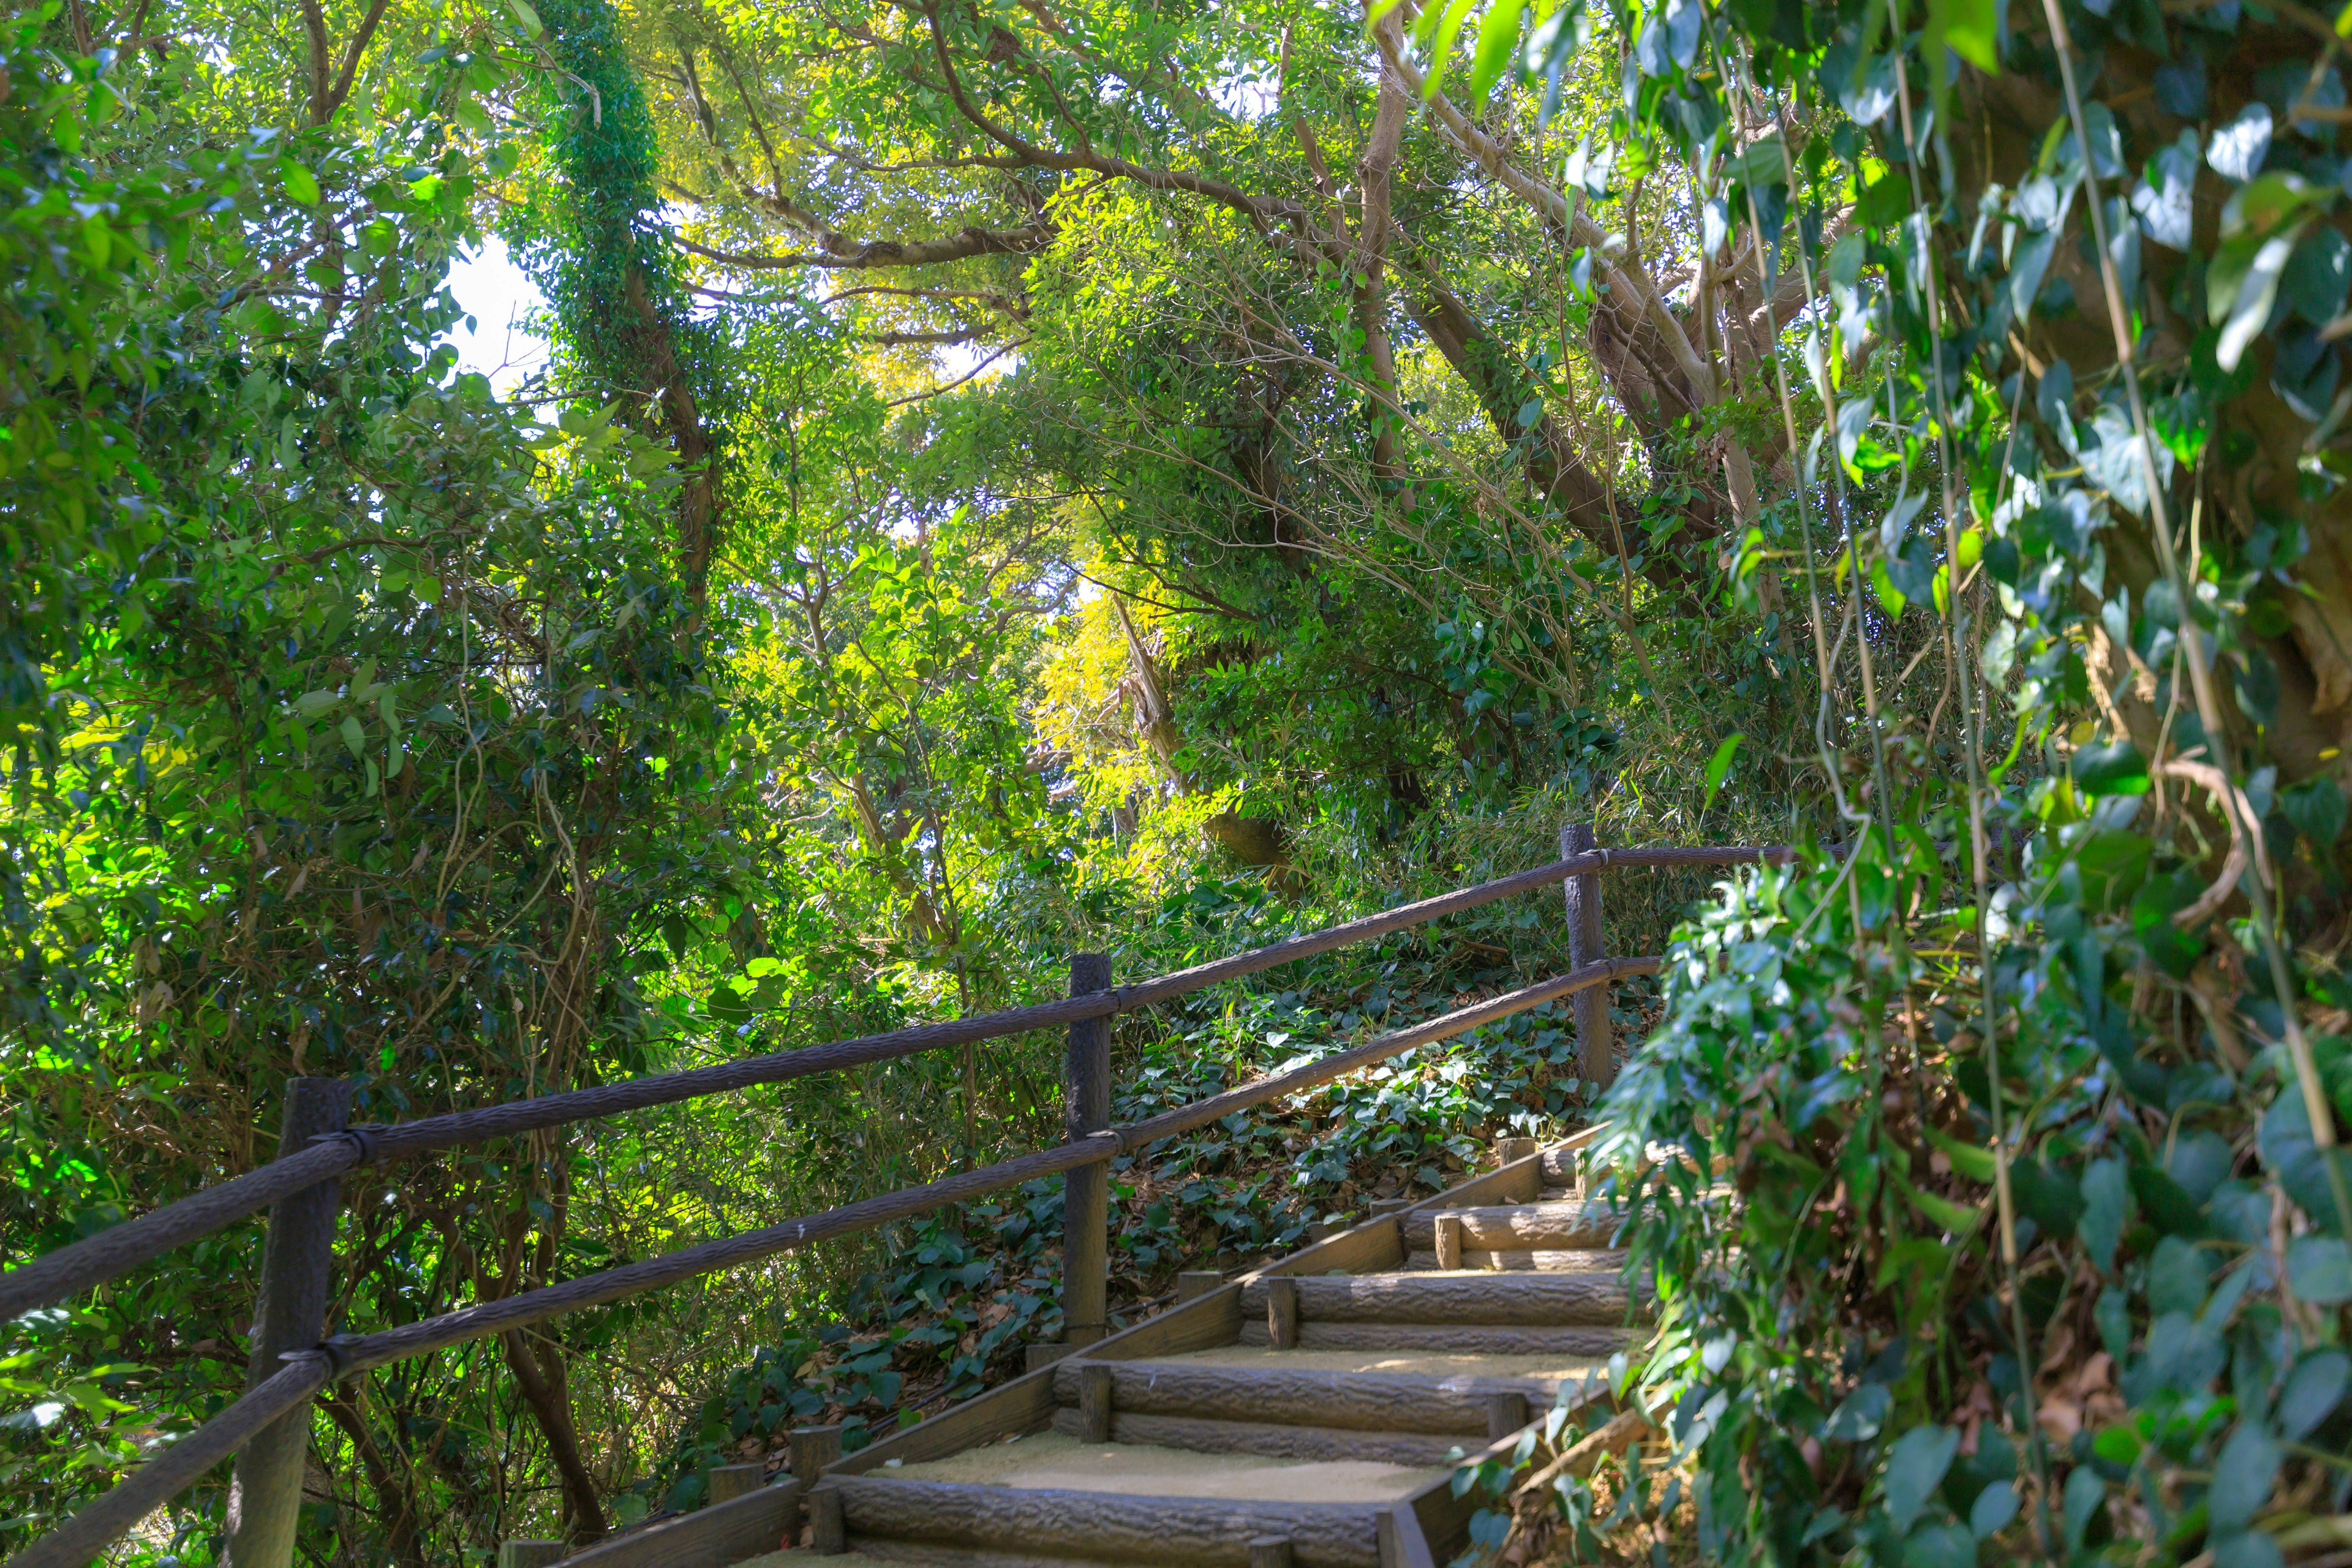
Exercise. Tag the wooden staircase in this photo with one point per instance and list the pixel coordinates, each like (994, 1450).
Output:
(1310, 1413)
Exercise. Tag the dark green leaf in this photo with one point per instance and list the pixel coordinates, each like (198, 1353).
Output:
(2110, 767)
(2319, 1268)
(2249, 1462)
(1915, 1468)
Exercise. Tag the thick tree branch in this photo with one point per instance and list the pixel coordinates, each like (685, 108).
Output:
(843, 254)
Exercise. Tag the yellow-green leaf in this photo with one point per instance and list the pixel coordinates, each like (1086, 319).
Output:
(300, 183)
(1970, 1160)
(1498, 34)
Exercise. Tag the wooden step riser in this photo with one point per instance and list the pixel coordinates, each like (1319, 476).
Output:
(1497, 1300)
(1311, 1443)
(1106, 1527)
(1358, 1401)
(1539, 1226)
(926, 1554)
(1577, 1261)
(1435, 1339)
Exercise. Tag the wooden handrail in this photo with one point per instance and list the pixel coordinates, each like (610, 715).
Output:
(88, 1531)
(67, 1272)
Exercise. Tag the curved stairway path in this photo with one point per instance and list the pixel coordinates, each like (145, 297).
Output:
(1311, 1412)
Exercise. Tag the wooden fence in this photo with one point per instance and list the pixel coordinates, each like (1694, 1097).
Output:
(269, 1429)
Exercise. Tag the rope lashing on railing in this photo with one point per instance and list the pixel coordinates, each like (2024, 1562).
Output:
(67, 1272)
(74, 1543)
(113, 1514)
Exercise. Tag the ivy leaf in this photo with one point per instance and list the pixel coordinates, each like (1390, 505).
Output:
(1915, 1468)
(2085, 1494)
(2319, 1267)
(1970, 28)
(2314, 1390)
(1858, 1415)
(2241, 287)
(2316, 808)
(2317, 275)
(2047, 1195)
(2237, 150)
(2241, 1477)
(2288, 1150)
(2164, 197)
(2110, 767)
(2106, 1195)
(1994, 1511)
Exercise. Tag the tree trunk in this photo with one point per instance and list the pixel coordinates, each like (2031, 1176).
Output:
(544, 1391)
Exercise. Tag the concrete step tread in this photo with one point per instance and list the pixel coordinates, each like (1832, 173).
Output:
(1302, 1396)
(1592, 1343)
(1487, 1299)
(1133, 1526)
(1549, 1260)
(1564, 1226)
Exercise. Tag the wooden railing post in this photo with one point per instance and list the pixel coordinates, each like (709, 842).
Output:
(1587, 945)
(265, 1496)
(1086, 1191)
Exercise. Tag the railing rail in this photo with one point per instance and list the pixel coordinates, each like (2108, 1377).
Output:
(70, 1270)
(67, 1272)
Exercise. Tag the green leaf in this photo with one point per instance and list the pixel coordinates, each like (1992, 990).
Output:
(1435, 35)
(353, 736)
(1940, 1546)
(2315, 1389)
(2107, 1193)
(1719, 765)
(1971, 1160)
(1938, 1211)
(2111, 767)
(1890, 598)
(2316, 807)
(300, 183)
(2166, 1202)
(1498, 33)
(2241, 287)
(1994, 1511)
(1858, 1415)
(2048, 1195)
(2246, 1549)
(2317, 275)
(2178, 1277)
(1915, 1468)
(1970, 28)
(2319, 1267)
(2086, 1493)
(2241, 1477)
(2298, 1160)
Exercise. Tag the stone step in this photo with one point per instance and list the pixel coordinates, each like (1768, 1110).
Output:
(1271, 1438)
(1563, 1226)
(1108, 1527)
(1362, 1402)
(1486, 1300)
